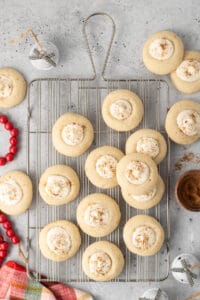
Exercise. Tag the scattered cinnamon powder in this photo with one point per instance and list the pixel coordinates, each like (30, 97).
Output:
(187, 157)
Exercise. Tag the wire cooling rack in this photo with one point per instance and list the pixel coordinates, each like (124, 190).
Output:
(47, 100)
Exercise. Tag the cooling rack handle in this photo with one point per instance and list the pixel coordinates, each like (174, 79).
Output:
(86, 21)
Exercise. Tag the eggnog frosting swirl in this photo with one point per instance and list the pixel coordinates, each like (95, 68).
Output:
(72, 134)
(58, 186)
(6, 86)
(58, 241)
(121, 109)
(161, 49)
(137, 172)
(144, 237)
(96, 215)
(100, 263)
(10, 192)
(188, 122)
(106, 166)
(145, 197)
(189, 70)
(148, 145)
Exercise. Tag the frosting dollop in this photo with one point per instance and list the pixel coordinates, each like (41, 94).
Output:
(100, 263)
(189, 70)
(10, 192)
(6, 86)
(96, 215)
(137, 172)
(145, 197)
(188, 122)
(161, 49)
(144, 237)
(58, 186)
(58, 240)
(148, 145)
(72, 134)
(121, 109)
(106, 166)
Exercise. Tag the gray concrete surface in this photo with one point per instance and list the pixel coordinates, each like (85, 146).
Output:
(61, 21)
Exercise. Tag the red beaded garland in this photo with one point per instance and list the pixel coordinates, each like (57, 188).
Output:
(4, 245)
(14, 132)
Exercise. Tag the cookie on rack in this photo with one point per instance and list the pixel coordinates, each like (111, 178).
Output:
(98, 215)
(143, 235)
(16, 192)
(59, 240)
(122, 110)
(100, 166)
(163, 52)
(59, 185)
(147, 200)
(137, 173)
(72, 134)
(102, 261)
(183, 122)
(186, 77)
(147, 141)
(12, 87)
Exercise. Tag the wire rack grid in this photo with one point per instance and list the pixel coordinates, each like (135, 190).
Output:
(47, 100)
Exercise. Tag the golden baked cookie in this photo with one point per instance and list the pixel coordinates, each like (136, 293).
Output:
(183, 122)
(12, 87)
(122, 110)
(72, 134)
(147, 141)
(59, 184)
(102, 261)
(186, 77)
(16, 192)
(98, 215)
(147, 200)
(59, 240)
(163, 52)
(100, 166)
(137, 173)
(143, 235)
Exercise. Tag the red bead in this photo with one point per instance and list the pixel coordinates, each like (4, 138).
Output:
(1, 261)
(2, 218)
(1, 239)
(13, 149)
(15, 239)
(13, 140)
(10, 233)
(14, 132)
(7, 225)
(8, 125)
(9, 156)
(4, 246)
(3, 253)
(2, 161)
(3, 119)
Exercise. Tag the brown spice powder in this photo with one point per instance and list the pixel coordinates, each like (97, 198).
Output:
(187, 157)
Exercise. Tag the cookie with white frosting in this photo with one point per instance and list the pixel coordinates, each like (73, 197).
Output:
(72, 134)
(100, 166)
(143, 235)
(183, 122)
(59, 185)
(186, 77)
(102, 261)
(146, 200)
(12, 87)
(147, 141)
(98, 215)
(163, 52)
(122, 110)
(60, 240)
(16, 192)
(137, 173)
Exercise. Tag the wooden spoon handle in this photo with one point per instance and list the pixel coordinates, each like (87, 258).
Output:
(194, 297)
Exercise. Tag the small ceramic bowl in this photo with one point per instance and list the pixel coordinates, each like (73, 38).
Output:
(187, 190)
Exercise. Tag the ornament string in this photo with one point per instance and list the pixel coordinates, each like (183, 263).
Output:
(186, 268)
